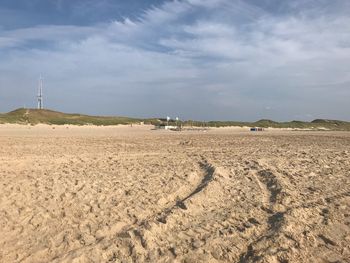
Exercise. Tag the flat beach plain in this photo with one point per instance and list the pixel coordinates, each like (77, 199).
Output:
(132, 194)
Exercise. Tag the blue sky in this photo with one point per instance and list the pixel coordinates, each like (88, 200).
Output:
(197, 59)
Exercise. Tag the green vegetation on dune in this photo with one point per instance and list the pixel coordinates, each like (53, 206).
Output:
(34, 116)
(314, 125)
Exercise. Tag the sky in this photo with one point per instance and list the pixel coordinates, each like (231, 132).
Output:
(195, 59)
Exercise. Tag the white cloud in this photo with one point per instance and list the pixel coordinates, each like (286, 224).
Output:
(203, 59)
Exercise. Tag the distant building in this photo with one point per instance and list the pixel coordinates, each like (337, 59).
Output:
(256, 129)
(168, 124)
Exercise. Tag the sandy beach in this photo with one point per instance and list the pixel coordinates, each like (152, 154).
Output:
(133, 194)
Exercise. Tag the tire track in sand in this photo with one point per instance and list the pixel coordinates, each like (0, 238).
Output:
(271, 190)
(130, 238)
(208, 171)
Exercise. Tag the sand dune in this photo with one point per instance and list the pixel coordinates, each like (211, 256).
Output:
(122, 194)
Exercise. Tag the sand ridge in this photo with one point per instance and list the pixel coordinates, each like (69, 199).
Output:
(122, 194)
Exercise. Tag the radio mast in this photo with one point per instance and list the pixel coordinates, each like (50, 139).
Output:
(40, 94)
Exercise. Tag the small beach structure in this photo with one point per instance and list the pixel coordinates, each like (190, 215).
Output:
(256, 129)
(168, 124)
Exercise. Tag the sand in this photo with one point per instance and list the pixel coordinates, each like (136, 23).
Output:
(132, 194)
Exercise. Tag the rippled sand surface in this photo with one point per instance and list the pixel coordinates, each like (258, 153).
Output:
(132, 194)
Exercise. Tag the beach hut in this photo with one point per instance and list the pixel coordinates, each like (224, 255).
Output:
(255, 129)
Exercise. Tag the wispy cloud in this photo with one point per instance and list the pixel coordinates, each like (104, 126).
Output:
(219, 59)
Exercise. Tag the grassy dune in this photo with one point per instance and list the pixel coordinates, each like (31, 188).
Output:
(34, 116)
(318, 124)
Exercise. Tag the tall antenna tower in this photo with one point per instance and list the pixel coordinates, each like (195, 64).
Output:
(40, 94)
